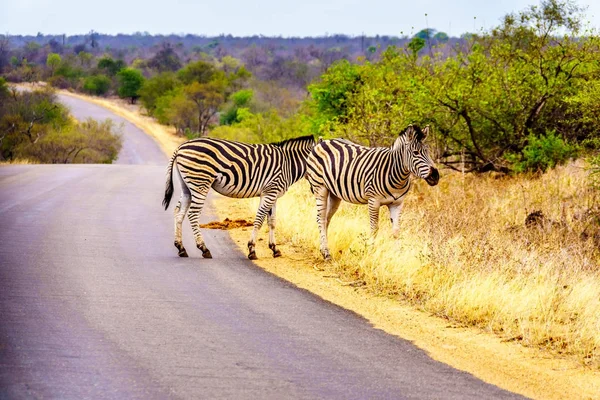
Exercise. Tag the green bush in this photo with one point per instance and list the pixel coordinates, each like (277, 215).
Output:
(130, 83)
(542, 153)
(239, 100)
(97, 85)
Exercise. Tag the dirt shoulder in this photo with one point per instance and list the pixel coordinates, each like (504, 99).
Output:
(528, 371)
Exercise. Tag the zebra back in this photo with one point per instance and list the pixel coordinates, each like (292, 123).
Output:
(242, 169)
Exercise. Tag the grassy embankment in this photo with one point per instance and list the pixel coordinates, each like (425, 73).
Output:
(464, 254)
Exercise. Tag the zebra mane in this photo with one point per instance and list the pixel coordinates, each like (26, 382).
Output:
(298, 139)
(419, 136)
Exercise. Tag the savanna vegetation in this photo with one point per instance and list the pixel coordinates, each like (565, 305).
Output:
(508, 241)
(34, 127)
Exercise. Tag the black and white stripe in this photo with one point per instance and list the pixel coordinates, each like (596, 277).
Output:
(341, 170)
(238, 170)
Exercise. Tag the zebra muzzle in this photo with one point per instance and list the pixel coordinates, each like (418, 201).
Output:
(433, 178)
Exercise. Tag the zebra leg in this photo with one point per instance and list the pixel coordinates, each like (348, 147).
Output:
(198, 198)
(267, 201)
(322, 197)
(333, 203)
(271, 222)
(180, 210)
(374, 216)
(395, 211)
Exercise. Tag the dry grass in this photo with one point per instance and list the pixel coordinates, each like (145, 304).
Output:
(465, 253)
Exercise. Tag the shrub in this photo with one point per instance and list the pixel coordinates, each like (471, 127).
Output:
(542, 153)
(97, 85)
(59, 82)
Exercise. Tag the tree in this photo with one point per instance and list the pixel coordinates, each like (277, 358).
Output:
(85, 59)
(331, 94)
(156, 87)
(207, 97)
(97, 84)
(130, 83)
(493, 101)
(110, 66)
(440, 37)
(239, 99)
(179, 111)
(425, 34)
(53, 62)
(199, 71)
(166, 59)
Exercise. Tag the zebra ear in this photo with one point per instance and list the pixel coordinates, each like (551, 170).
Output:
(425, 132)
(410, 133)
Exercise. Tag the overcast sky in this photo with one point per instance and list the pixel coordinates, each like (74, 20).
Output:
(260, 17)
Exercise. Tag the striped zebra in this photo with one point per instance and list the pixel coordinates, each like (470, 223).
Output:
(341, 170)
(237, 170)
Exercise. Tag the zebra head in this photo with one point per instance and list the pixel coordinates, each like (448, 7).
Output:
(415, 154)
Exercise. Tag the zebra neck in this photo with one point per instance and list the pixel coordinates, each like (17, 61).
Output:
(399, 172)
(296, 164)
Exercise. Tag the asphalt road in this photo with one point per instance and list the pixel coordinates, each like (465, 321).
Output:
(95, 304)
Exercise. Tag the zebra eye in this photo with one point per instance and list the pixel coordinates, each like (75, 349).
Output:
(415, 153)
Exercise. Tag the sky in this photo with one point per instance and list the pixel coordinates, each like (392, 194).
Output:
(261, 17)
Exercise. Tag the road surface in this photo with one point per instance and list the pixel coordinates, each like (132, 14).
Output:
(95, 303)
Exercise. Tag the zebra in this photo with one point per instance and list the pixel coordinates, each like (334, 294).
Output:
(341, 170)
(234, 169)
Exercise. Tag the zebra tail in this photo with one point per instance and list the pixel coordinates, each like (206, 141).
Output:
(169, 186)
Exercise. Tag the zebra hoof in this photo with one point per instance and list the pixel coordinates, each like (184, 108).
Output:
(277, 253)
(183, 253)
(252, 256)
(206, 254)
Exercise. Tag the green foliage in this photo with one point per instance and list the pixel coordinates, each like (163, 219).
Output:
(34, 126)
(4, 90)
(178, 110)
(69, 70)
(533, 74)
(266, 127)
(110, 66)
(207, 98)
(242, 98)
(88, 142)
(53, 61)
(130, 83)
(156, 87)
(415, 45)
(542, 153)
(425, 34)
(441, 37)
(199, 71)
(331, 95)
(97, 85)
(239, 99)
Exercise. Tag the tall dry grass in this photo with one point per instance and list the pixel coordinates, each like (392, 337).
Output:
(465, 253)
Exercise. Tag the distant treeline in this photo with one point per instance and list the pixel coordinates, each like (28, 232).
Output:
(255, 51)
